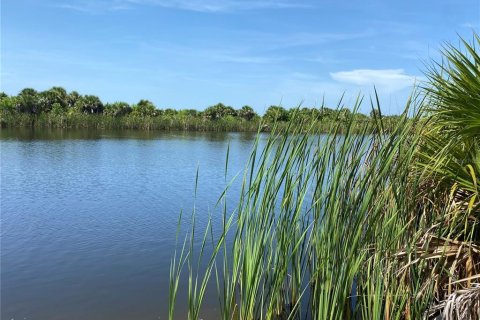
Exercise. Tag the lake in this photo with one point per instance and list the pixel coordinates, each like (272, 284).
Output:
(88, 218)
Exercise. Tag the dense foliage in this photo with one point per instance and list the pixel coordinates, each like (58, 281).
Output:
(58, 108)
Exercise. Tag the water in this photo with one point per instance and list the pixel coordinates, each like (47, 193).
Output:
(88, 218)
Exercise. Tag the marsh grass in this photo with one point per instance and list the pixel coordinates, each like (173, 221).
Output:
(370, 221)
(89, 121)
(315, 231)
(165, 123)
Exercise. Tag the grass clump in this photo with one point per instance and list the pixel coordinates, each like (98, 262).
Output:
(355, 224)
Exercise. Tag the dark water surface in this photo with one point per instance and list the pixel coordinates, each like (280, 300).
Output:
(88, 218)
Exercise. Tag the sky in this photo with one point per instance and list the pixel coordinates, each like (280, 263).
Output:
(194, 53)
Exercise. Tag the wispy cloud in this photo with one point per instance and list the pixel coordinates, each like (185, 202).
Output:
(390, 80)
(211, 6)
(316, 38)
(314, 89)
(95, 7)
(77, 7)
(305, 89)
(233, 54)
(223, 5)
(471, 25)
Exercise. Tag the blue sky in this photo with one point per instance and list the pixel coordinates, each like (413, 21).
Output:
(193, 53)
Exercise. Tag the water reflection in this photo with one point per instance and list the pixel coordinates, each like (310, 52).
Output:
(88, 217)
(35, 134)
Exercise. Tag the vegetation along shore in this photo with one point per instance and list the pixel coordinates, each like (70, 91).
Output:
(56, 108)
(354, 226)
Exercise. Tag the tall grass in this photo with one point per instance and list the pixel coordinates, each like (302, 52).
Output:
(89, 121)
(317, 225)
(360, 223)
(165, 123)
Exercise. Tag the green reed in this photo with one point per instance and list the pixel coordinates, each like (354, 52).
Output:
(317, 224)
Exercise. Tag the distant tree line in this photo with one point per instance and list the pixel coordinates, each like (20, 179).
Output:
(58, 108)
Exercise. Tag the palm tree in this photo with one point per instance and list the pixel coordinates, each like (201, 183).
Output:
(451, 149)
(247, 113)
(89, 104)
(276, 113)
(449, 164)
(28, 101)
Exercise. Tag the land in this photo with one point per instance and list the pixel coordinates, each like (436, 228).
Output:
(56, 108)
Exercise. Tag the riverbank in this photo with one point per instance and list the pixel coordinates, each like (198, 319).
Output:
(166, 123)
(55, 108)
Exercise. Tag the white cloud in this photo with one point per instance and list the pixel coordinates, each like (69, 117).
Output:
(232, 54)
(305, 89)
(313, 89)
(213, 6)
(389, 80)
(470, 25)
(222, 5)
(95, 7)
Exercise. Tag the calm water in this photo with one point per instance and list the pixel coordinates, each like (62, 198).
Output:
(88, 218)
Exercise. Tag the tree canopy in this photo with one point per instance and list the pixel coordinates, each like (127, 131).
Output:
(58, 102)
